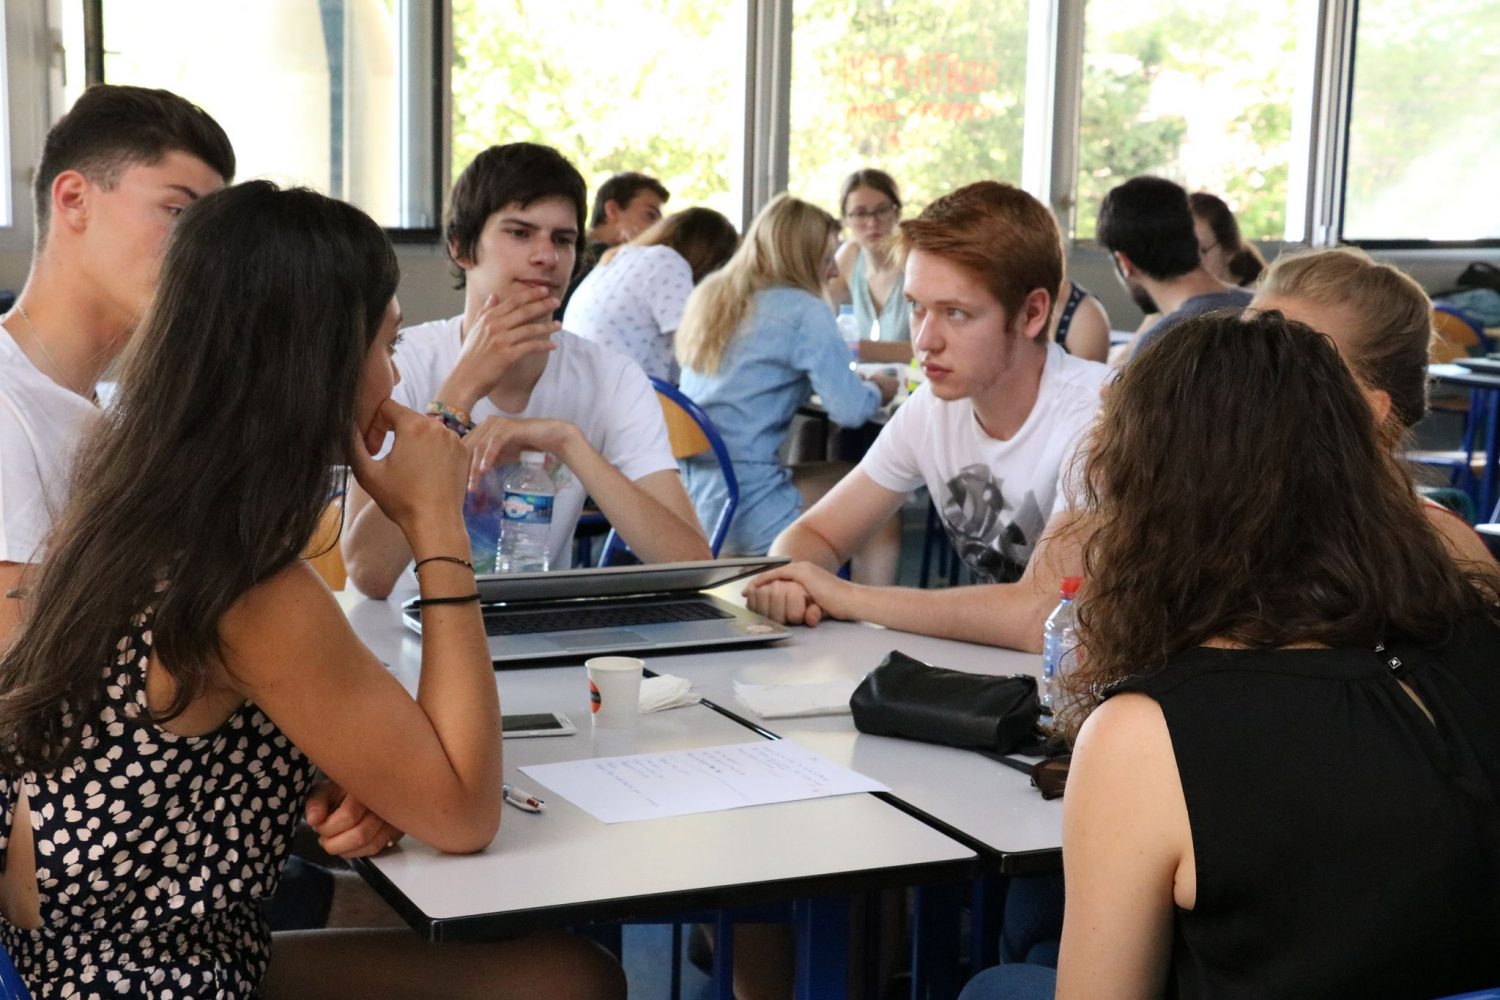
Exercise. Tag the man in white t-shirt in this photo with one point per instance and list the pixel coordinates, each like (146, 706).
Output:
(115, 172)
(508, 378)
(992, 434)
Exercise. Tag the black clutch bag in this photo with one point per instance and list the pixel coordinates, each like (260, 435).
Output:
(913, 700)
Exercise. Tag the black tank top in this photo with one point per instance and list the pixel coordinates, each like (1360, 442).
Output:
(1345, 845)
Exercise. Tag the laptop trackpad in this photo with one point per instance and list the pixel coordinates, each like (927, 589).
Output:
(619, 638)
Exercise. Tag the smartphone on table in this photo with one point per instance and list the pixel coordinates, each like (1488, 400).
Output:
(536, 724)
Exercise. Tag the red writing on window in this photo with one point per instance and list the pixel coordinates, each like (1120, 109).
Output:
(934, 74)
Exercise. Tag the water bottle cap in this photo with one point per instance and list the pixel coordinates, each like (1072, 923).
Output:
(533, 458)
(1070, 585)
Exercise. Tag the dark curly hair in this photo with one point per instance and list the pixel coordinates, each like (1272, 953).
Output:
(1236, 488)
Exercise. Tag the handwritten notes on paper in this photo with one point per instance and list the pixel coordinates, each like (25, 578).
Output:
(709, 779)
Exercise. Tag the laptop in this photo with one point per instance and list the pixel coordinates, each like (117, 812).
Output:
(615, 609)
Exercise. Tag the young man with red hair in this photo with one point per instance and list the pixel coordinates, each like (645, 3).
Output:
(991, 434)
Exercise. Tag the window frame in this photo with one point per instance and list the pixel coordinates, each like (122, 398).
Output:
(30, 68)
(1379, 244)
(434, 65)
(1051, 143)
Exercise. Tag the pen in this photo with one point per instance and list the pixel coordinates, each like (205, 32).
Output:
(522, 799)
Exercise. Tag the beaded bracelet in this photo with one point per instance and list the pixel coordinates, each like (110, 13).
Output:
(453, 559)
(456, 421)
(423, 602)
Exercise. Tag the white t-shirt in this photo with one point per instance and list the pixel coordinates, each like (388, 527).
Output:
(40, 426)
(994, 497)
(632, 305)
(605, 395)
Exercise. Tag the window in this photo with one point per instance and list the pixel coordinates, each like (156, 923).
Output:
(336, 95)
(930, 91)
(7, 216)
(1423, 122)
(648, 85)
(1202, 94)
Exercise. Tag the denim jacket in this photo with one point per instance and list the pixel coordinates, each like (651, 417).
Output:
(786, 349)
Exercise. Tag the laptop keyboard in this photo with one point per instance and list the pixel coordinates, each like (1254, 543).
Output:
(528, 621)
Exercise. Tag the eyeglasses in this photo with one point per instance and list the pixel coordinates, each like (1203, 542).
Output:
(865, 214)
(1203, 251)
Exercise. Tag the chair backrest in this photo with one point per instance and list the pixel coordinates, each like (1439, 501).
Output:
(1457, 334)
(323, 550)
(12, 986)
(683, 431)
(691, 432)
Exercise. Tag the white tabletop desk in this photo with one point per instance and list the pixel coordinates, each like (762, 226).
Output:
(565, 868)
(987, 803)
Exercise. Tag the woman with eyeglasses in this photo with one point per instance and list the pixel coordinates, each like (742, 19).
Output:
(869, 275)
(1226, 253)
(1286, 772)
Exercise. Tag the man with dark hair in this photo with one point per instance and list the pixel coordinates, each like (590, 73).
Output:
(115, 173)
(991, 435)
(626, 205)
(506, 376)
(1146, 224)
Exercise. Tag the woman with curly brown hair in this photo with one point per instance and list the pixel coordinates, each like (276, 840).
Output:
(1286, 779)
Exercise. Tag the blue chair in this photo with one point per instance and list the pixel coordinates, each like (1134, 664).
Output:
(1493, 994)
(690, 432)
(12, 986)
(1460, 335)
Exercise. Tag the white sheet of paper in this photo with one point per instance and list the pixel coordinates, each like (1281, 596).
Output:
(709, 779)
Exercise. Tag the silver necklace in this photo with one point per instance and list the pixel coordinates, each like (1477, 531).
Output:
(57, 371)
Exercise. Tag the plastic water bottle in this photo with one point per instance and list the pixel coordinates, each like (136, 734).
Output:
(1059, 642)
(849, 330)
(526, 516)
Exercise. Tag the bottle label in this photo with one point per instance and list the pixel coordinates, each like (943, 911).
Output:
(482, 520)
(527, 508)
(1052, 654)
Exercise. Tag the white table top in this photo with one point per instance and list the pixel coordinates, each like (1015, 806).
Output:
(564, 867)
(969, 794)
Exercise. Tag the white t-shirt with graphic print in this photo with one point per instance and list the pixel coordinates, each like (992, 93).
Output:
(994, 497)
(605, 395)
(632, 304)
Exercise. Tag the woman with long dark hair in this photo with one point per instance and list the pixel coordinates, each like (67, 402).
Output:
(181, 674)
(1287, 723)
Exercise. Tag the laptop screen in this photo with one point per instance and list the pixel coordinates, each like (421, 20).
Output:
(620, 581)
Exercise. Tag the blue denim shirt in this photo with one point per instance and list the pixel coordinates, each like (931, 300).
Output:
(787, 349)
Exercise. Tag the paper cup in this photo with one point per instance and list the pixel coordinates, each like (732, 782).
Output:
(615, 690)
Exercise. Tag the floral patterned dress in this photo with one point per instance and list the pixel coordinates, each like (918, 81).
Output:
(155, 850)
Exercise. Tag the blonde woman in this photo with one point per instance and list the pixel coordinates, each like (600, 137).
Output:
(632, 302)
(756, 340)
(1380, 320)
